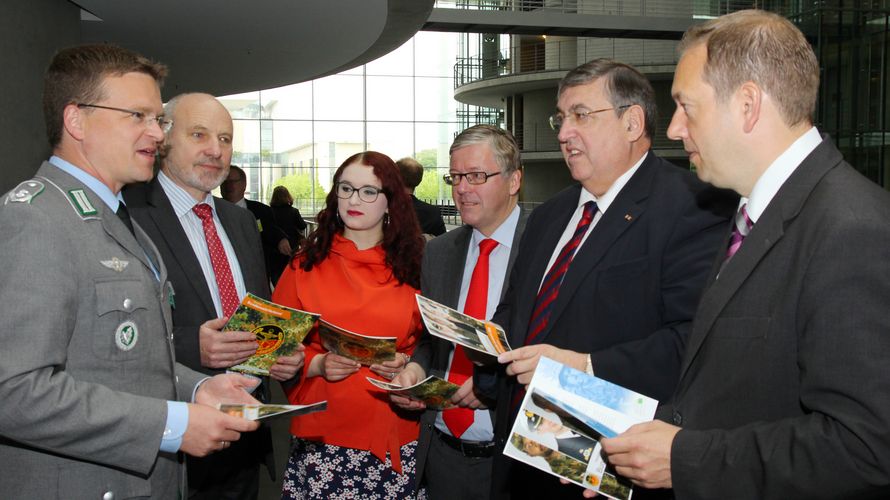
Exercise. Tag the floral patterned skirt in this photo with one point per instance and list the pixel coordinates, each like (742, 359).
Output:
(318, 470)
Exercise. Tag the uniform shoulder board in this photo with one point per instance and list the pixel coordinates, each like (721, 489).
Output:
(25, 192)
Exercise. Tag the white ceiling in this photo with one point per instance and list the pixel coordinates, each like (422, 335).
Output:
(232, 46)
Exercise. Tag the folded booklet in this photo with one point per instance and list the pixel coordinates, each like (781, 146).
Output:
(433, 391)
(452, 325)
(563, 415)
(365, 349)
(279, 331)
(261, 412)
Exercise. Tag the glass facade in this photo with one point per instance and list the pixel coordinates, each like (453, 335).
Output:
(400, 105)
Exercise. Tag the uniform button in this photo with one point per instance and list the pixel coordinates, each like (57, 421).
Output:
(109, 495)
(677, 418)
(128, 304)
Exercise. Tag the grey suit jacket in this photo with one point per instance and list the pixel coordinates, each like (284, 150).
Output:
(444, 259)
(86, 358)
(784, 386)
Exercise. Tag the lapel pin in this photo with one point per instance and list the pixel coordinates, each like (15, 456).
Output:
(628, 217)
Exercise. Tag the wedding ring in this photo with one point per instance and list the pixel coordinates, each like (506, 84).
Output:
(225, 444)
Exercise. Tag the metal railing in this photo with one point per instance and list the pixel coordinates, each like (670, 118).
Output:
(563, 55)
(660, 8)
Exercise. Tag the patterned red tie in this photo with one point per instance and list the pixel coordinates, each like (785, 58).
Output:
(228, 295)
(550, 287)
(458, 420)
(740, 230)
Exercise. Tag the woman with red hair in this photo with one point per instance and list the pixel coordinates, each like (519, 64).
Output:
(360, 269)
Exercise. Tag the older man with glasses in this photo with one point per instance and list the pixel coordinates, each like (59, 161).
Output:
(466, 269)
(609, 270)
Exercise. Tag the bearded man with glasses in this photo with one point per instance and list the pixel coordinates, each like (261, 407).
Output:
(609, 270)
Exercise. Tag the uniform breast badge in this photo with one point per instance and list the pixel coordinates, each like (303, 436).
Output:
(115, 264)
(126, 335)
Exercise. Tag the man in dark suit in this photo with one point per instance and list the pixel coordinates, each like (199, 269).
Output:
(783, 386)
(431, 223)
(195, 160)
(610, 270)
(274, 239)
(485, 175)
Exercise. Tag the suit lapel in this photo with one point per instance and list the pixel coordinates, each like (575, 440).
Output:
(174, 237)
(628, 206)
(456, 259)
(528, 288)
(766, 233)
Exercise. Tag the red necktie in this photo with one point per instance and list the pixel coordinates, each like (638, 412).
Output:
(550, 287)
(458, 420)
(228, 295)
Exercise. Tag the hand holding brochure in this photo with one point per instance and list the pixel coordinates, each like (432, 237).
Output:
(362, 348)
(449, 324)
(260, 412)
(432, 391)
(564, 413)
(279, 331)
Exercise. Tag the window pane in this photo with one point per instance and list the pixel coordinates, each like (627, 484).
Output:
(397, 62)
(293, 102)
(338, 97)
(435, 101)
(390, 98)
(395, 140)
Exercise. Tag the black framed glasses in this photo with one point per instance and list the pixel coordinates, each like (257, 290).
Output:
(367, 194)
(138, 116)
(580, 117)
(471, 177)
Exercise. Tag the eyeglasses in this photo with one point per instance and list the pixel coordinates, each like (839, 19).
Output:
(138, 116)
(580, 117)
(367, 194)
(471, 177)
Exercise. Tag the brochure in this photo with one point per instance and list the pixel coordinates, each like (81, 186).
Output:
(452, 325)
(279, 331)
(362, 348)
(433, 391)
(564, 413)
(261, 412)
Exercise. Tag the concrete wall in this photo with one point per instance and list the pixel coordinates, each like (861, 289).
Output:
(30, 33)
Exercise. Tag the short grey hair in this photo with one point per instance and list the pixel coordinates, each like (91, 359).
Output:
(503, 145)
(624, 85)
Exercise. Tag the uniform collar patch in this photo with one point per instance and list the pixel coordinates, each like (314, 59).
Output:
(82, 202)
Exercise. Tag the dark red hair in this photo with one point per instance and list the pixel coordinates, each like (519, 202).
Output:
(402, 241)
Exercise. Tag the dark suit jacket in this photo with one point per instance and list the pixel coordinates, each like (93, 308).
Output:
(441, 274)
(292, 224)
(630, 293)
(784, 386)
(270, 233)
(193, 305)
(429, 217)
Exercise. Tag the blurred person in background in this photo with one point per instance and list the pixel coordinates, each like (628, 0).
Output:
(291, 222)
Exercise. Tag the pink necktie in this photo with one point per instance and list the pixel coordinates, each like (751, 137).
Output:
(228, 296)
(740, 230)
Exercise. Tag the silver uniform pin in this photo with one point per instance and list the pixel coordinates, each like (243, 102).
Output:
(25, 192)
(126, 335)
(115, 264)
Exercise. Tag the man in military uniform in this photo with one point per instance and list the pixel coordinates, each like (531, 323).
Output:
(88, 378)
